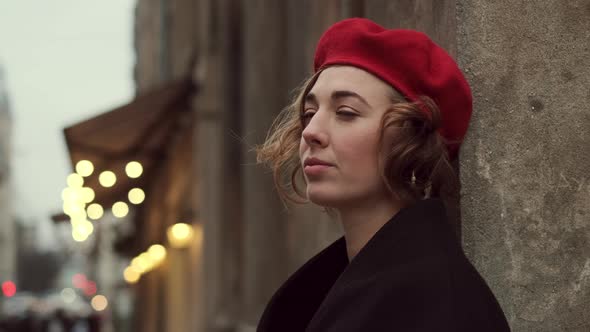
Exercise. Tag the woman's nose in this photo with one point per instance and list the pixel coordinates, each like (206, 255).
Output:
(314, 133)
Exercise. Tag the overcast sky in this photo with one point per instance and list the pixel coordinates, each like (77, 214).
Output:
(65, 61)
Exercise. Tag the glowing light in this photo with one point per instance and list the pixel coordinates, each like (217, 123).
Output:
(140, 264)
(73, 208)
(65, 193)
(75, 180)
(81, 230)
(87, 194)
(79, 280)
(94, 211)
(84, 227)
(99, 302)
(157, 253)
(68, 295)
(148, 261)
(71, 195)
(84, 168)
(90, 288)
(75, 222)
(131, 275)
(8, 288)
(107, 179)
(66, 208)
(133, 169)
(120, 209)
(78, 237)
(78, 215)
(136, 196)
(179, 235)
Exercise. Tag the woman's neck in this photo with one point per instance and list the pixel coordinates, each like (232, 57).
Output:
(361, 222)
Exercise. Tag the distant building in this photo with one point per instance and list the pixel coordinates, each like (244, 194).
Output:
(7, 242)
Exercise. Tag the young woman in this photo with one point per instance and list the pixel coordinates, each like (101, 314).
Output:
(372, 133)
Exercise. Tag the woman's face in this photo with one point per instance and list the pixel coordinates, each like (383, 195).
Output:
(339, 148)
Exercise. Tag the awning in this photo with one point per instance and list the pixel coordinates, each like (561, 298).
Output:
(139, 131)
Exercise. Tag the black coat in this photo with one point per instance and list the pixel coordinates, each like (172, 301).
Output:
(412, 275)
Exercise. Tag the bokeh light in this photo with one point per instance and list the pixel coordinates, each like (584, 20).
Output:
(179, 235)
(107, 179)
(99, 302)
(68, 295)
(84, 168)
(87, 194)
(84, 227)
(75, 180)
(136, 196)
(73, 208)
(77, 236)
(77, 218)
(120, 209)
(157, 252)
(131, 275)
(81, 230)
(133, 169)
(71, 195)
(147, 260)
(77, 212)
(94, 211)
(8, 288)
(79, 280)
(90, 288)
(140, 264)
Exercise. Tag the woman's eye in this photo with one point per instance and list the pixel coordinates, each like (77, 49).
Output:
(346, 114)
(306, 117)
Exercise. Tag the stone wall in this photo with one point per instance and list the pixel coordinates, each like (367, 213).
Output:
(524, 166)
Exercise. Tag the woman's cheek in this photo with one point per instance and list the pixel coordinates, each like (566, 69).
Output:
(364, 143)
(358, 155)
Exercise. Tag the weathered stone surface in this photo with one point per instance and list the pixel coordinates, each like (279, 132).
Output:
(435, 18)
(526, 189)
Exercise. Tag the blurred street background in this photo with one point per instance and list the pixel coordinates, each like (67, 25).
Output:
(60, 62)
(130, 199)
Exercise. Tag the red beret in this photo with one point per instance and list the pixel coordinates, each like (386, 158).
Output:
(409, 61)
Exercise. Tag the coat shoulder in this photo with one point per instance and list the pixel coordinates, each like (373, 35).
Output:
(435, 293)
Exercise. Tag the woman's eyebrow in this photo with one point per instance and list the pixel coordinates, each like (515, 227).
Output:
(339, 94)
(311, 98)
(346, 94)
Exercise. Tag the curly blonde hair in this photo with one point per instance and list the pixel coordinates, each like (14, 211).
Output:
(415, 165)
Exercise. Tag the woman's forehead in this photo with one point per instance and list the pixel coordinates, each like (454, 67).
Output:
(352, 79)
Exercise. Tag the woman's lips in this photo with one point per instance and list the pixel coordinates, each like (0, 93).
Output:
(314, 170)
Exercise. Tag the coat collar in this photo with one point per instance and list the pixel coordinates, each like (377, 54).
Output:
(408, 235)
(413, 232)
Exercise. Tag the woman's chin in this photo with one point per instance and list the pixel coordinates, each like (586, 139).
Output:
(323, 197)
